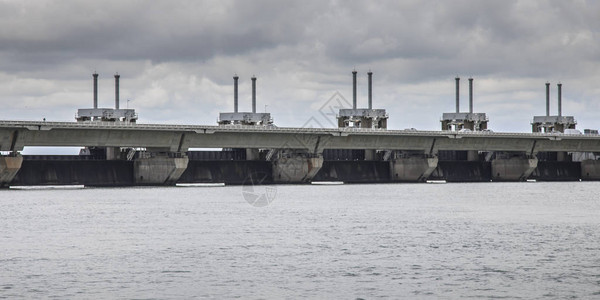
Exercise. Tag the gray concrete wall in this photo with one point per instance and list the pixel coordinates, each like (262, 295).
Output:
(513, 169)
(412, 169)
(158, 170)
(296, 169)
(9, 167)
(590, 169)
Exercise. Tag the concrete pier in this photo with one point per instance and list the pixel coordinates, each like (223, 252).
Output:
(9, 167)
(412, 169)
(159, 169)
(296, 169)
(590, 169)
(513, 168)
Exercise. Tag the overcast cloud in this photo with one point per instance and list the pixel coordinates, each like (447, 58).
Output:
(177, 58)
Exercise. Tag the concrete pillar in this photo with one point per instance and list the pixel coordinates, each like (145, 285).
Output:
(158, 170)
(370, 154)
(513, 168)
(590, 169)
(9, 167)
(113, 153)
(252, 154)
(296, 169)
(412, 169)
(472, 155)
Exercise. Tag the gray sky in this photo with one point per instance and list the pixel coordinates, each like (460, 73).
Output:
(177, 58)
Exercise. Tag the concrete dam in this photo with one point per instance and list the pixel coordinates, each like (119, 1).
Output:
(118, 151)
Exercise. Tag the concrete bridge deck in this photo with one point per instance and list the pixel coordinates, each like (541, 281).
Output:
(14, 135)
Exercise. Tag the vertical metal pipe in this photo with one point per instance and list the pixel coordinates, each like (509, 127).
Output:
(253, 94)
(559, 99)
(370, 89)
(95, 75)
(457, 95)
(354, 89)
(547, 99)
(235, 93)
(470, 95)
(117, 76)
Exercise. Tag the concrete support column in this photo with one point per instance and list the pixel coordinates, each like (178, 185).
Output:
(9, 167)
(370, 154)
(159, 170)
(413, 169)
(296, 169)
(472, 155)
(513, 168)
(113, 153)
(590, 169)
(562, 156)
(252, 154)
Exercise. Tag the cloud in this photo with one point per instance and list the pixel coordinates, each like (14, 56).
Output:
(177, 58)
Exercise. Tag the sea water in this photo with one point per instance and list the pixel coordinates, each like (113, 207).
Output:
(482, 240)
